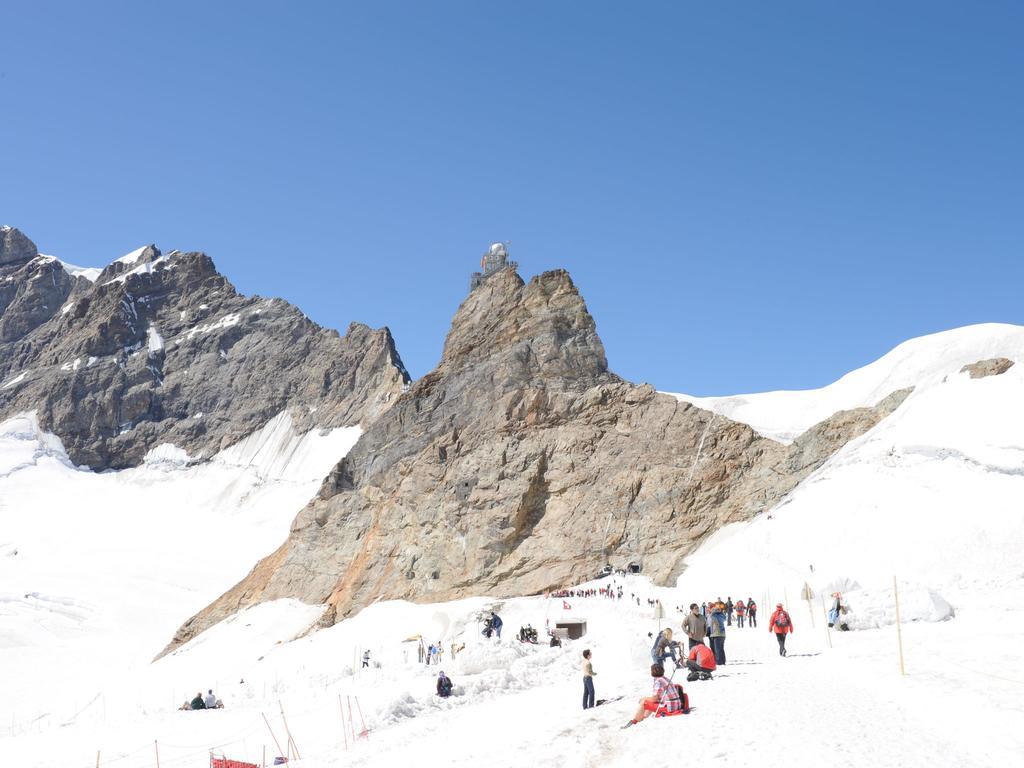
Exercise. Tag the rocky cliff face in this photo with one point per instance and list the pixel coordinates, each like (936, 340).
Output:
(162, 349)
(520, 464)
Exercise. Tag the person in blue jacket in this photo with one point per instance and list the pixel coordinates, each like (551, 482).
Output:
(716, 632)
(496, 624)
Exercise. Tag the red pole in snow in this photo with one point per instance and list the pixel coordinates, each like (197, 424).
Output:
(344, 735)
(351, 724)
(364, 733)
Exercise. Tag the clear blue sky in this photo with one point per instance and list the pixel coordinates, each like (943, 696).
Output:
(750, 195)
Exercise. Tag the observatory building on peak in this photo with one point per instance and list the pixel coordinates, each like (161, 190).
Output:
(494, 260)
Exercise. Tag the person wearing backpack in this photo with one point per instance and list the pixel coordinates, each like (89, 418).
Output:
(751, 613)
(667, 698)
(716, 632)
(781, 624)
(740, 610)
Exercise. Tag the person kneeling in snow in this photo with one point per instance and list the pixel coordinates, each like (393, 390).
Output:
(700, 662)
(666, 698)
(444, 685)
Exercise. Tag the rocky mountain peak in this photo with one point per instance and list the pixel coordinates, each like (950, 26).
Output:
(515, 332)
(15, 248)
(162, 348)
(520, 463)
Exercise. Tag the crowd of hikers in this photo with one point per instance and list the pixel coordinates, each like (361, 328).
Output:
(707, 621)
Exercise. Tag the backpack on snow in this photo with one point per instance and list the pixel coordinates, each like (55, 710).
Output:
(684, 699)
(782, 620)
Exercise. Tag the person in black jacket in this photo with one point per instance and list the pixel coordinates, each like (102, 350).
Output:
(197, 702)
(444, 685)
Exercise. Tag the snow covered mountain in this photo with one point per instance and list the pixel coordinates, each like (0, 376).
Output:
(520, 463)
(159, 348)
(930, 494)
(783, 415)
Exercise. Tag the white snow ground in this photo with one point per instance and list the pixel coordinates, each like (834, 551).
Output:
(108, 565)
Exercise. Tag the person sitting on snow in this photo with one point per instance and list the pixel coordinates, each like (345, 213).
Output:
(197, 702)
(444, 685)
(665, 698)
(210, 701)
(700, 662)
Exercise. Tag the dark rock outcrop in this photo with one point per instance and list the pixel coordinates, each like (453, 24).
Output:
(163, 349)
(521, 463)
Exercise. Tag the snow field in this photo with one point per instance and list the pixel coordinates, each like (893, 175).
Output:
(844, 705)
(107, 567)
(109, 564)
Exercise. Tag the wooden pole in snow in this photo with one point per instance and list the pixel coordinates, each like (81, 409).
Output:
(899, 633)
(291, 742)
(264, 756)
(97, 758)
(272, 736)
(828, 632)
(156, 748)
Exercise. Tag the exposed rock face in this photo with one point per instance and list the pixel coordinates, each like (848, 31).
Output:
(521, 463)
(15, 248)
(161, 348)
(992, 367)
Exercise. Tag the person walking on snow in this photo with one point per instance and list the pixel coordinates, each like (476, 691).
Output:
(588, 680)
(781, 624)
(728, 610)
(695, 626)
(366, 659)
(751, 612)
(716, 631)
(740, 610)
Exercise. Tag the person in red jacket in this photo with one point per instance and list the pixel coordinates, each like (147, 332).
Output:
(700, 662)
(781, 624)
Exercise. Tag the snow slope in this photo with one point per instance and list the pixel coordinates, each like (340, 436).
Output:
(783, 415)
(100, 569)
(108, 565)
(932, 494)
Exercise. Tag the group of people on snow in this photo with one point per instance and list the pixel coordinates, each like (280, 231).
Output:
(209, 701)
(707, 621)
